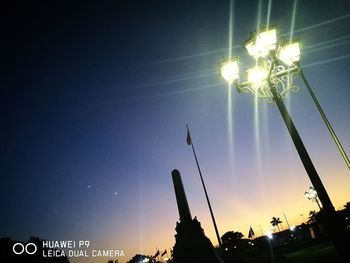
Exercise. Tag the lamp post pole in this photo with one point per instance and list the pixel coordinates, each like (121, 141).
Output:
(335, 228)
(299, 145)
(325, 119)
(303, 154)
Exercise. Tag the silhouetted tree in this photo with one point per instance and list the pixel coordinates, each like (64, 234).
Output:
(316, 217)
(140, 258)
(312, 217)
(275, 222)
(346, 215)
(231, 236)
(230, 239)
(317, 221)
(231, 246)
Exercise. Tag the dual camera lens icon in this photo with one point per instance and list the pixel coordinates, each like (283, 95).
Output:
(29, 248)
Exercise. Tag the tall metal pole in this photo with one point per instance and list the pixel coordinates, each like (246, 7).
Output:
(189, 141)
(319, 206)
(286, 220)
(325, 119)
(304, 156)
(335, 228)
(261, 230)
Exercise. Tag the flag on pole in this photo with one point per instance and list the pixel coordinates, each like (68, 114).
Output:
(163, 253)
(251, 233)
(188, 138)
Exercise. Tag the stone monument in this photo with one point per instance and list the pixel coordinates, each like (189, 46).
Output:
(191, 243)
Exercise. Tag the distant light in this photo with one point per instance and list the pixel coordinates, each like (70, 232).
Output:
(311, 193)
(230, 70)
(269, 234)
(226, 248)
(292, 228)
(256, 75)
(289, 53)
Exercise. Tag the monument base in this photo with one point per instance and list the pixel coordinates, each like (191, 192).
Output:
(192, 245)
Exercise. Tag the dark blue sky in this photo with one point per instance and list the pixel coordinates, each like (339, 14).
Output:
(94, 102)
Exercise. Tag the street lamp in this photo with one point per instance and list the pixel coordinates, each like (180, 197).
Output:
(263, 45)
(311, 194)
(267, 74)
(271, 79)
(269, 234)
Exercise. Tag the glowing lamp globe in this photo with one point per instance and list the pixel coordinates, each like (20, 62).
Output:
(311, 193)
(289, 53)
(252, 49)
(266, 41)
(256, 75)
(230, 70)
(261, 44)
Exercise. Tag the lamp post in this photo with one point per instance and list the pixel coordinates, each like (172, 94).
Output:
(311, 194)
(263, 44)
(271, 79)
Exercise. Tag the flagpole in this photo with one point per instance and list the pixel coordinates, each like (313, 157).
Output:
(286, 220)
(205, 189)
(261, 230)
(251, 233)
